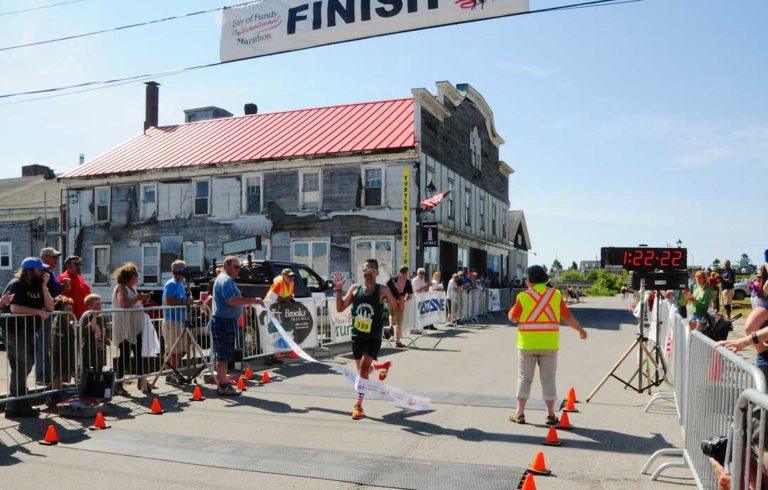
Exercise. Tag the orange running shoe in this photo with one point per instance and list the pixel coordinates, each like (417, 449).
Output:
(384, 370)
(357, 412)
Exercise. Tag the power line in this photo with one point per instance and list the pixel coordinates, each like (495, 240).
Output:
(136, 78)
(39, 8)
(119, 28)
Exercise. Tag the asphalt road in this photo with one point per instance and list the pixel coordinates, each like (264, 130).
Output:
(301, 425)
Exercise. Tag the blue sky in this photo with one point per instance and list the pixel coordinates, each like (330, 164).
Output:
(637, 123)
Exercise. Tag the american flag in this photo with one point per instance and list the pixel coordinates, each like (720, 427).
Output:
(434, 200)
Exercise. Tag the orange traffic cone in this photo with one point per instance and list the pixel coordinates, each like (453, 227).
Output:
(241, 384)
(156, 408)
(528, 483)
(572, 394)
(99, 423)
(51, 437)
(716, 368)
(565, 422)
(265, 377)
(248, 373)
(552, 439)
(570, 403)
(197, 394)
(539, 466)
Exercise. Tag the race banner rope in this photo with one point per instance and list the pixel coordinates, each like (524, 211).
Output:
(401, 397)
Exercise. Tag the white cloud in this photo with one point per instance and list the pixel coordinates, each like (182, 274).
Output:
(535, 71)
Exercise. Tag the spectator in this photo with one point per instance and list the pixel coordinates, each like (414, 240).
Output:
(30, 297)
(727, 281)
(63, 345)
(402, 291)
(175, 294)
(50, 257)
(538, 312)
(756, 287)
(94, 337)
(419, 283)
(464, 281)
(227, 307)
(714, 281)
(73, 284)
(452, 295)
(623, 292)
(127, 326)
(282, 290)
(437, 283)
(701, 296)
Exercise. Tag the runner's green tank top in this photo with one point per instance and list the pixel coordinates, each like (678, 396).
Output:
(367, 312)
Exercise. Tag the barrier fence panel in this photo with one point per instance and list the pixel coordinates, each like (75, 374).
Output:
(747, 458)
(40, 355)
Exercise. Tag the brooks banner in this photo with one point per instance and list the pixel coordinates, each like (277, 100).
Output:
(298, 318)
(401, 397)
(277, 26)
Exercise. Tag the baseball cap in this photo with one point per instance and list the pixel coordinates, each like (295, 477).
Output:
(32, 263)
(49, 252)
(288, 272)
(537, 275)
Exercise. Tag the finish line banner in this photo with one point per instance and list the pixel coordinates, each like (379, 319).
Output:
(278, 26)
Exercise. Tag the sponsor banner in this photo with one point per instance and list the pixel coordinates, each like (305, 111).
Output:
(401, 397)
(277, 26)
(494, 300)
(429, 308)
(429, 236)
(299, 320)
(341, 323)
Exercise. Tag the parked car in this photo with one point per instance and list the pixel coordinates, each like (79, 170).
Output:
(741, 290)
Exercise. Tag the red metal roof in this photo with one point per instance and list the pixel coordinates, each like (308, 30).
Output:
(351, 128)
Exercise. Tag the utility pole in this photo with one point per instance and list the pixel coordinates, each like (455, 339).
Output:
(45, 218)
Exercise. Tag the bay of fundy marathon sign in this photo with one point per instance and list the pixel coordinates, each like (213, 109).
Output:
(276, 26)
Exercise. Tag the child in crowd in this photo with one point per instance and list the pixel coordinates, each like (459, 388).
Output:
(94, 343)
(63, 342)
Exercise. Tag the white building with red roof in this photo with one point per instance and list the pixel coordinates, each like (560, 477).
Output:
(321, 187)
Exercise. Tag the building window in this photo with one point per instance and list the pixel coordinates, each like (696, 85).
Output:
(475, 149)
(194, 255)
(313, 254)
(504, 226)
(202, 197)
(148, 200)
(310, 190)
(431, 180)
(373, 188)
(493, 219)
(451, 201)
(252, 194)
(379, 248)
(150, 263)
(6, 258)
(463, 259)
(102, 204)
(101, 264)
(467, 206)
(482, 213)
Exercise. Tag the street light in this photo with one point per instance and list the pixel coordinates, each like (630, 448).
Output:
(679, 243)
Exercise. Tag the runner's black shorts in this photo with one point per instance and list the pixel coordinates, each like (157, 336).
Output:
(361, 347)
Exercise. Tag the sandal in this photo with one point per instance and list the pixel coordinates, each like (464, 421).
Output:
(552, 420)
(518, 419)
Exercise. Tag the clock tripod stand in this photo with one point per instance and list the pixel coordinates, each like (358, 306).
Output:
(645, 354)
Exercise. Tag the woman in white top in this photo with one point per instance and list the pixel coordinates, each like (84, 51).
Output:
(127, 326)
(437, 284)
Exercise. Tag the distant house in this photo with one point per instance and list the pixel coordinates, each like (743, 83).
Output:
(521, 243)
(25, 203)
(321, 187)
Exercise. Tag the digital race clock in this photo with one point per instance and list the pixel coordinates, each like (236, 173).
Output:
(644, 258)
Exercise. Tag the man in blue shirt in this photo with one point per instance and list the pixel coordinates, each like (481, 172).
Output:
(175, 294)
(227, 307)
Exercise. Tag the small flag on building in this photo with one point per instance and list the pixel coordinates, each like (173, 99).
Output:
(434, 200)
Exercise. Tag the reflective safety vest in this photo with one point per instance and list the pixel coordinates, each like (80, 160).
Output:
(280, 289)
(539, 323)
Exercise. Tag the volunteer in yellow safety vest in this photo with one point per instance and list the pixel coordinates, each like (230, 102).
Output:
(282, 287)
(538, 312)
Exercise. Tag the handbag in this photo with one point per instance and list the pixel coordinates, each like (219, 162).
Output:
(150, 343)
(97, 384)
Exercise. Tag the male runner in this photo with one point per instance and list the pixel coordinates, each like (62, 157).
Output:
(367, 326)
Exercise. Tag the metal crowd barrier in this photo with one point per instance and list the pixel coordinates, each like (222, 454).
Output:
(712, 380)
(747, 457)
(40, 355)
(675, 349)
